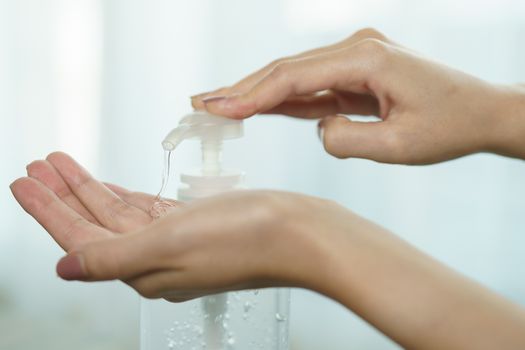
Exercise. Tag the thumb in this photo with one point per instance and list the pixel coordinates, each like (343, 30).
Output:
(344, 138)
(117, 258)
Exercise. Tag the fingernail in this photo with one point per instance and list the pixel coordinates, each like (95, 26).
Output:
(199, 95)
(71, 267)
(212, 99)
(30, 167)
(12, 184)
(320, 131)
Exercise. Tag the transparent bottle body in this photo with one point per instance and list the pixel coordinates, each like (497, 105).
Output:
(247, 320)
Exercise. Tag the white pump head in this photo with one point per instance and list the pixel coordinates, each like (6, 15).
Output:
(210, 130)
(203, 126)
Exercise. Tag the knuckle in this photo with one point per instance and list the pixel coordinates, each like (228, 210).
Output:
(267, 212)
(39, 207)
(74, 227)
(281, 70)
(276, 62)
(147, 290)
(282, 75)
(332, 142)
(266, 208)
(101, 268)
(63, 192)
(396, 145)
(117, 208)
(83, 181)
(370, 32)
(372, 46)
(148, 293)
(374, 52)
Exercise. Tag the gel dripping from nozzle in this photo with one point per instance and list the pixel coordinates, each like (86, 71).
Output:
(163, 206)
(165, 174)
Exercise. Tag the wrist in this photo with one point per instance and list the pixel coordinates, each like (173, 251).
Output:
(307, 239)
(508, 132)
(328, 236)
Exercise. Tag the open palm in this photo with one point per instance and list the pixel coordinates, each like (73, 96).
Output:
(74, 207)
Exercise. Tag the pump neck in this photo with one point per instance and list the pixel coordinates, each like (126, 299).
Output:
(211, 156)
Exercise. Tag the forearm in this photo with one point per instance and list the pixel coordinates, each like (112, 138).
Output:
(508, 137)
(412, 298)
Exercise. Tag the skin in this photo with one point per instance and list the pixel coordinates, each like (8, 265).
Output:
(255, 239)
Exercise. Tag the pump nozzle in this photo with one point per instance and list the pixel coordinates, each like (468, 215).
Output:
(210, 130)
(175, 137)
(203, 126)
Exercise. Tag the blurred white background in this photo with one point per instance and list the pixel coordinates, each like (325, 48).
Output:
(106, 80)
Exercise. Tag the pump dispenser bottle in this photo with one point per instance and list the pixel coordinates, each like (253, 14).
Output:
(243, 320)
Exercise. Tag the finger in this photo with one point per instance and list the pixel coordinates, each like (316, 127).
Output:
(199, 101)
(121, 257)
(143, 201)
(320, 105)
(44, 172)
(343, 138)
(67, 227)
(108, 208)
(342, 69)
(248, 82)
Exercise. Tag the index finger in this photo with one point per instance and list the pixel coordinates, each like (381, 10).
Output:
(347, 69)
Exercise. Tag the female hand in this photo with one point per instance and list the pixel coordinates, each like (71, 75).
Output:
(429, 112)
(241, 240)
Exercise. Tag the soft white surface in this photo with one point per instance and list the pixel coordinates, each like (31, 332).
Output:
(106, 81)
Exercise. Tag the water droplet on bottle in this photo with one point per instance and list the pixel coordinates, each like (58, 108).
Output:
(198, 330)
(280, 318)
(231, 340)
(247, 306)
